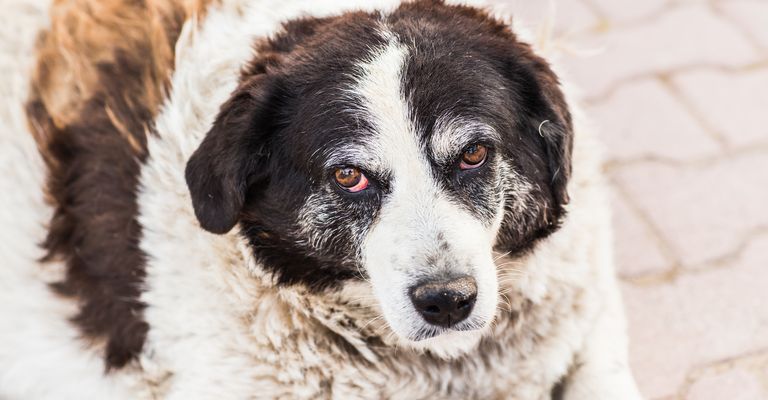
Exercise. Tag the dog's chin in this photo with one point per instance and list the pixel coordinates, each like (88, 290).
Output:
(447, 344)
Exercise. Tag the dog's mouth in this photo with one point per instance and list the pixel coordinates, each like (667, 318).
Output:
(432, 331)
(447, 343)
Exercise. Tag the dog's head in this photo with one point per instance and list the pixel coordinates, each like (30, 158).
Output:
(403, 149)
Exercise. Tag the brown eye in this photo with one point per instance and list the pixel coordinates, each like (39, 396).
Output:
(351, 179)
(474, 156)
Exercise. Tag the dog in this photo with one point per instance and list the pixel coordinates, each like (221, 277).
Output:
(298, 199)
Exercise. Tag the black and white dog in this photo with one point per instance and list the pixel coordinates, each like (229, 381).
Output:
(297, 199)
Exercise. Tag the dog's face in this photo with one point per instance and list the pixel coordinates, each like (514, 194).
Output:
(402, 149)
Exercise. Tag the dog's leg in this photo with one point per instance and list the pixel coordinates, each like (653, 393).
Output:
(601, 370)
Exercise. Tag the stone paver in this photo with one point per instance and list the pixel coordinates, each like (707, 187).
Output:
(684, 36)
(680, 94)
(750, 15)
(637, 249)
(704, 210)
(666, 130)
(628, 11)
(738, 111)
(696, 319)
(732, 384)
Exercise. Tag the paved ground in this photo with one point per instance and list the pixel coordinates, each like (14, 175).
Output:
(679, 90)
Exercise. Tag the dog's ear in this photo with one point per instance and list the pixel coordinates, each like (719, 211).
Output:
(553, 124)
(544, 123)
(232, 156)
(549, 121)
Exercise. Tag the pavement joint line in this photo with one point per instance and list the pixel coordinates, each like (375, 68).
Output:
(596, 11)
(747, 239)
(723, 261)
(676, 268)
(607, 24)
(652, 279)
(657, 235)
(673, 72)
(696, 372)
(725, 16)
(693, 111)
(730, 154)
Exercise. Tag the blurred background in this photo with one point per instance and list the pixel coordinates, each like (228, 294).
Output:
(679, 92)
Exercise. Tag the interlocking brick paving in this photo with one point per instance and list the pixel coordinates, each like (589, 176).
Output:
(679, 91)
(667, 131)
(733, 104)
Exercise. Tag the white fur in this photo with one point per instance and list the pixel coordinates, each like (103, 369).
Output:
(414, 214)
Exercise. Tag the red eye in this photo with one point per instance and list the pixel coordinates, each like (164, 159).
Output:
(351, 179)
(474, 156)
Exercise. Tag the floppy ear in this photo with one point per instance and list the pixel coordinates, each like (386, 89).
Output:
(555, 128)
(546, 125)
(220, 171)
(550, 121)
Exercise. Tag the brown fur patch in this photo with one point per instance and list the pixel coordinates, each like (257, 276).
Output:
(102, 73)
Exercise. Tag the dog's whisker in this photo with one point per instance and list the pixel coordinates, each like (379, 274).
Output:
(507, 264)
(372, 321)
(507, 301)
(511, 279)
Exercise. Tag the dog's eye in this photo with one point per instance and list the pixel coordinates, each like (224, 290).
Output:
(351, 179)
(473, 157)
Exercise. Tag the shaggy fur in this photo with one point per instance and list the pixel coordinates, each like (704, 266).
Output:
(174, 311)
(101, 75)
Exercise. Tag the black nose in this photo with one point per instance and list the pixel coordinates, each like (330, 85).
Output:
(446, 302)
